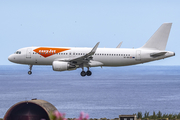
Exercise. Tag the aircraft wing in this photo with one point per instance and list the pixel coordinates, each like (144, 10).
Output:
(83, 59)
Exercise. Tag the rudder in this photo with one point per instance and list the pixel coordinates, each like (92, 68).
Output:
(159, 39)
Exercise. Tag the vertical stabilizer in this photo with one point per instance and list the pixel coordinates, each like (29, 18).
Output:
(160, 37)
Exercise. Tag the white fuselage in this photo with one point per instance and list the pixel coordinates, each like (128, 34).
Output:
(107, 56)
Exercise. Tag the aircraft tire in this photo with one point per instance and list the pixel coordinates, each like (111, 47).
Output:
(83, 73)
(29, 72)
(88, 73)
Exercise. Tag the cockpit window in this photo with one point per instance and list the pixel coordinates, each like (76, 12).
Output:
(18, 52)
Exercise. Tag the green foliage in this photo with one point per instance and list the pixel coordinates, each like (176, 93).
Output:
(178, 116)
(139, 115)
(165, 116)
(170, 116)
(154, 115)
(146, 114)
(175, 116)
(159, 114)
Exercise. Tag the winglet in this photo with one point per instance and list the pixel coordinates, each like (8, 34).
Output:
(119, 45)
(94, 49)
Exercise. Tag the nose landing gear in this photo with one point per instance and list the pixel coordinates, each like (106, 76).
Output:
(30, 67)
(29, 72)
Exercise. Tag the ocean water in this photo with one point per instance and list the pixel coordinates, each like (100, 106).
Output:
(109, 92)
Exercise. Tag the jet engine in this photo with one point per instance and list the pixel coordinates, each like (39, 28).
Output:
(62, 66)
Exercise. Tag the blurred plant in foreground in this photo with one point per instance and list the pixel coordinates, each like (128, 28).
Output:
(56, 115)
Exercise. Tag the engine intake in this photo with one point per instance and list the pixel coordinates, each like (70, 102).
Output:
(62, 66)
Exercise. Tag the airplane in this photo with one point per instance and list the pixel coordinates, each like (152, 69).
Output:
(71, 58)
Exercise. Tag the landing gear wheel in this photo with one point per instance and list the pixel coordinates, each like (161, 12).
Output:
(83, 73)
(29, 72)
(88, 73)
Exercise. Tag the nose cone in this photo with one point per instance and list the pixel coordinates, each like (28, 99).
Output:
(11, 58)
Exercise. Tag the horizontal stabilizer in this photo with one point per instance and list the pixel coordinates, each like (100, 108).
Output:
(157, 54)
(160, 37)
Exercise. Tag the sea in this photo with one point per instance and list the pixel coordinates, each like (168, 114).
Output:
(109, 92)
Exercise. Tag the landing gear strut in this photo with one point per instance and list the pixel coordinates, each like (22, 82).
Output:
(88, 73)
(30, 67)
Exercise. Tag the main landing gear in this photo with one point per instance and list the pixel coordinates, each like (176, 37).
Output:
(88, 73)
(30, 67)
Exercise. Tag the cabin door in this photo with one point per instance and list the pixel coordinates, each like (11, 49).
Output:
(138, 55)
(28, 53)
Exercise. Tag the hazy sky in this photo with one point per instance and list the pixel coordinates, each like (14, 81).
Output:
(83, 23)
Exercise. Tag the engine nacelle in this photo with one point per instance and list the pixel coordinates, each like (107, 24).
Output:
(62, 66)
